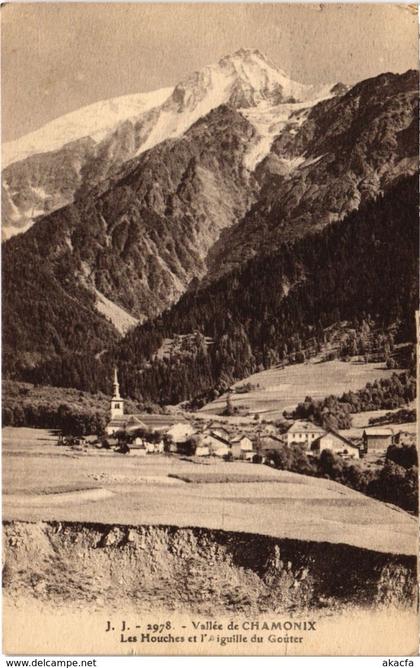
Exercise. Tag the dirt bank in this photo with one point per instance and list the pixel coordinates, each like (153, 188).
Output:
(195, 570)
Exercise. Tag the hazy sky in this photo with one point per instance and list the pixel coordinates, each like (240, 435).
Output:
(59, 57)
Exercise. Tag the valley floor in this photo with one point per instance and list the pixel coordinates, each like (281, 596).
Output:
(44, 482)
(94, 535)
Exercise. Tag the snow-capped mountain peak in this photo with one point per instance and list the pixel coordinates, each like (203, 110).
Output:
(247, 72)
(244, 79)
(76, 151)
(260, 76)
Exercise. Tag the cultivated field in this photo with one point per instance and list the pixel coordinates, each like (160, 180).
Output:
(281, 389)
(361, 421)
(42, 481)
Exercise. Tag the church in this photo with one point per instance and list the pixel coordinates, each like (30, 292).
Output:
(121, 421)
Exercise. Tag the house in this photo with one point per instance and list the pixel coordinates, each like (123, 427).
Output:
(377, 438)
(221, 432)
(337, 443)
(223, 451)
(202, 451)
(173, 447)
(269, 443)
(213, 442)
(137, 444)
(161, 423)
(303, 433)
(180, 432)
(239, 445)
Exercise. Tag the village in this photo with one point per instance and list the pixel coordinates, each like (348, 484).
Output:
(202, 436)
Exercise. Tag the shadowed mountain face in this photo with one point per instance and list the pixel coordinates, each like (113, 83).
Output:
(270, 166)
(129, 248)
(338, 155)
(142, 237)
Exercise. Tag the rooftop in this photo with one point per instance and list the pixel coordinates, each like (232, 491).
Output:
(125, 421)
(345, 440)
(303, 426)
(160, 421)
(379, 431)
(238, 437)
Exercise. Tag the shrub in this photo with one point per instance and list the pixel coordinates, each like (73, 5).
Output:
(403, 455)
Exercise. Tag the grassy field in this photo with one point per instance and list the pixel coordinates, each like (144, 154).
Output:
(281, 389)
(42, 481)
(361, 422)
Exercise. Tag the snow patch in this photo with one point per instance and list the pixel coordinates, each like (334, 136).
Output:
(94, 121)
(271, 121)
(68, 242)
(13, 213)
(178, 285)
(291, 164)
(86, 271)
(312, 161)
(40, 192)
(12, 230)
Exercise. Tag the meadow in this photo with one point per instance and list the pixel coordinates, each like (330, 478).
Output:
(278, 389)
(45, 482)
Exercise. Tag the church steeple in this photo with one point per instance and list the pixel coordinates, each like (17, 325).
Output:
(117, 403)
(116, 394)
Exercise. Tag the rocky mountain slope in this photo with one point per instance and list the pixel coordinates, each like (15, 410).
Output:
(135, 243)
(45, 169)
(327, 161)
(274, 162)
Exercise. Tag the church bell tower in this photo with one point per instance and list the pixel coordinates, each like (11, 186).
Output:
(117, 403)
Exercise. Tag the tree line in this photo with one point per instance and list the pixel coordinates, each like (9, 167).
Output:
(335, 412)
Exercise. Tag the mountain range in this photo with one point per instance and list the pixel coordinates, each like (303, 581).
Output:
(45, 169)
(116, 211)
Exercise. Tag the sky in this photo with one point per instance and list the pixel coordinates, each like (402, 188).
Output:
(58, 57)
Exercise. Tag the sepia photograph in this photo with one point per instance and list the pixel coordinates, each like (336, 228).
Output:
(210, 316)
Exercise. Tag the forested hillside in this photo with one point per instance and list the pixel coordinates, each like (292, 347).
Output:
(73, 411)
(274, 308)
